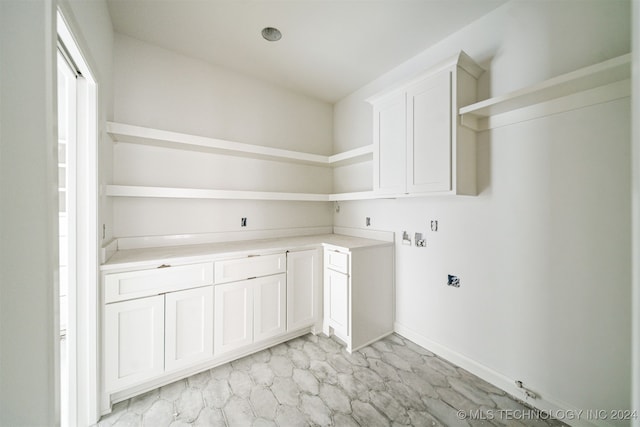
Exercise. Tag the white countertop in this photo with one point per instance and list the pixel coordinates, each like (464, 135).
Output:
(152, 257)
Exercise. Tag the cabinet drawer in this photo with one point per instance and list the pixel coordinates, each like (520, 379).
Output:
(337, 261)
(136, 284)
(253, 266)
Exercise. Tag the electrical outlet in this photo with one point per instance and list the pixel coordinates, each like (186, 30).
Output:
(434, 225)
(367, 221)
(243, 222)
(406, 240)
(453, 281)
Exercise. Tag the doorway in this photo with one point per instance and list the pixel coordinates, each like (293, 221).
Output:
(78, 230)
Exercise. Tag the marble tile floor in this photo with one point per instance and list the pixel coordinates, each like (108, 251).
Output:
(313, 381)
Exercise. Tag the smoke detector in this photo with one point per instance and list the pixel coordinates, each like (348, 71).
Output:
(271, 34)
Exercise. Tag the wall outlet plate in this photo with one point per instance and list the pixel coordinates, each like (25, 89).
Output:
(453, 281)
(406, 240)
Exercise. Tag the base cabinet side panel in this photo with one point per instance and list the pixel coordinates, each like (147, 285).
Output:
(372, 291)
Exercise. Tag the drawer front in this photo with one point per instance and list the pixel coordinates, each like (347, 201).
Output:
(253, 266)
(337, 261)
(137, 284)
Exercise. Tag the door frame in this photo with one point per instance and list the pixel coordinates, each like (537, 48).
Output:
(83, 409)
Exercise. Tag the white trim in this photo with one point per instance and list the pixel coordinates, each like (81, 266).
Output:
(548, 404)
(68, 411)
(88, 383)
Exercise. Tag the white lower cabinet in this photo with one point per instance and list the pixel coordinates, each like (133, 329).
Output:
(195, 319)
(133, 341)
(147, 337)
(249, 311)
(269, 307)
(304, 288)
(337, 296)
(188, 327)
(233, 323)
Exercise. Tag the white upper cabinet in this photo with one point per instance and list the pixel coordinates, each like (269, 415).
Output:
(419, 145)
(389, 141)
(429, 134)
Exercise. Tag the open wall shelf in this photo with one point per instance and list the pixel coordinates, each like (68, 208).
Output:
(199, 193)
(591, 85)
(121, 132)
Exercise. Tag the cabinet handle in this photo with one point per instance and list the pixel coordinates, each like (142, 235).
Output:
(164, 266)
(251, 256)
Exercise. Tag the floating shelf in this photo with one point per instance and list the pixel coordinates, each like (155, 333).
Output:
(161, 138)
(360, 195)
(196, 193)
(591, 85)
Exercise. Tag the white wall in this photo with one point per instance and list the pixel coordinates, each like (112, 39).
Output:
(29, 332)
(543, 253)
(158, 88)
(28, 215)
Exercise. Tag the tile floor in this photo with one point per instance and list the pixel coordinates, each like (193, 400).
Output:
(312, 381)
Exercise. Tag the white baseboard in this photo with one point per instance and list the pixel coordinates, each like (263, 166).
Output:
(548, 404)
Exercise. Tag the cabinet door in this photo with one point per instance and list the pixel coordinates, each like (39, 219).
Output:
(133, 341)
(269, 306)
(337, 288)
(429, 134)
(233, 320)
(303, 289)
(188, 327)
(389, 141)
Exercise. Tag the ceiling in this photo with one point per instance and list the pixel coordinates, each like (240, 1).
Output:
(329, 48)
